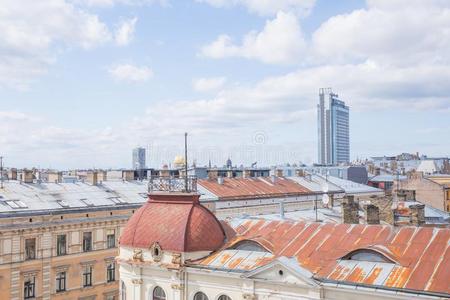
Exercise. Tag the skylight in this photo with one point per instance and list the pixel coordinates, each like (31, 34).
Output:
(63, 203)
(16, 204)
(87, 202)
(117, 200)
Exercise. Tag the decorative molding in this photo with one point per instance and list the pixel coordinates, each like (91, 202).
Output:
(156, 252)
(179, 287)
(138, 255)
(137, 281)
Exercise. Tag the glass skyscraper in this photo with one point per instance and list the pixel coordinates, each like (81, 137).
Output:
(333, 129)
(138, 158)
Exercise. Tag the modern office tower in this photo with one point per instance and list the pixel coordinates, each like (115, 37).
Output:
(333, 129)
(138, 158)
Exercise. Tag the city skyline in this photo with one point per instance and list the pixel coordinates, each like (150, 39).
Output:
(241, 77)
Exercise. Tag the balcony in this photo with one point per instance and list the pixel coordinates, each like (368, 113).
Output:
(172, 184)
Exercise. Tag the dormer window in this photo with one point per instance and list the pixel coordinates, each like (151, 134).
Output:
(248, 245)
(368, 255)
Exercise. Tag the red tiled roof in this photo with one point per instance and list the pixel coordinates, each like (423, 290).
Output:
(258, 187)
(178, 222)
(421, 254)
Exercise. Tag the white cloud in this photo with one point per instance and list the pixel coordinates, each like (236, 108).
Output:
(208, 84)
(267, 7)
(106, 3)
(125, 32)
(130, 73)
(31, 31)
(389, 32)
(280, 42)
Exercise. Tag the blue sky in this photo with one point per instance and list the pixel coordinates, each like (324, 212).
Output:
(84, 81)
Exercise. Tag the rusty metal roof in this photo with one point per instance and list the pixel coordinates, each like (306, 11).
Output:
(418, 258)
(258, 187)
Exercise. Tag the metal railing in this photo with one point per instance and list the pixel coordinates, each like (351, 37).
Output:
(172, 184)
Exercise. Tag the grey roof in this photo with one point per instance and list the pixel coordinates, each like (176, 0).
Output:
(17, 196)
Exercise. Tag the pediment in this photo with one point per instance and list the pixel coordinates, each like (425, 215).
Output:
(283, 270)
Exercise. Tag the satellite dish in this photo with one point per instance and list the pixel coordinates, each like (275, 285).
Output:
(325, 199)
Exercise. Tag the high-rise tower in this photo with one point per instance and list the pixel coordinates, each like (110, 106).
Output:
(333, 129)
(138, 158)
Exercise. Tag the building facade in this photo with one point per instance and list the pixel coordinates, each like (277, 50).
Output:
(60, 240)
(138, 158)
(186, 253)
(333, 129)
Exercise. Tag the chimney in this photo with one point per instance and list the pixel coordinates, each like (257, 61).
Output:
(230, 174)
(102, 176)
(246, 173)
(282, 209)
(27, 176)
(213, 173)
(92, 177)
(273, 178)
(279, 173)
(55, 177)
(372, 214)
(220, 180)
(128, 175)
(417, 214)
(350, 211)
(12, 174)
(299, 173)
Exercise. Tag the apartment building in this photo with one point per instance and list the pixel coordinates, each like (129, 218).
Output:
(59, 240)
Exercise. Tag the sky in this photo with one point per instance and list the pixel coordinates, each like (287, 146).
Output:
(82, 82)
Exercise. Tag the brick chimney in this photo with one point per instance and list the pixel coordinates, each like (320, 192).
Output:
(279, 173)
(92, 177)
(55, 177)
(417, 214)
(27, 176)
(213, 174)
(350, 211)
(246, 173)
(128, 175)
(12, 174)
(299, 173)
(372, 214)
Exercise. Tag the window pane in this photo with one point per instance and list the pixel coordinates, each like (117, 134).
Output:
(200, 296)
(87, 241)
(159, 294)
(61, 245)
(30, 248)
(224, 297)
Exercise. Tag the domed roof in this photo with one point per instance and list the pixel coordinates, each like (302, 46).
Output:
(177, 222)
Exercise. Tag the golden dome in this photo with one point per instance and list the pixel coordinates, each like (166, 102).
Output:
(178, 161)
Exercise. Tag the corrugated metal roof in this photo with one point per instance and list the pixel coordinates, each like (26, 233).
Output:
(52, 196)
(258, 187)
(420, 255)
(442, 180)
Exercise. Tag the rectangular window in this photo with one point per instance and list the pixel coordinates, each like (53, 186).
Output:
(61, 245)
(61, 282)
(111, 238)
(87, 276)
(29, 288)
(30, 249)
(87, 241)
(111, 272)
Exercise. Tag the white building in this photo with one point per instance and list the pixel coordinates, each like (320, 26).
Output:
(173, 248)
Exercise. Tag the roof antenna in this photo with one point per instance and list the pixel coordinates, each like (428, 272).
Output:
(185, 163)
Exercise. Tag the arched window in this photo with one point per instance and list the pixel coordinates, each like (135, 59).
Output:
(367, 255)
(249, 246)
(224, 297)
(123, 291)
(200, 296)
(159, 294)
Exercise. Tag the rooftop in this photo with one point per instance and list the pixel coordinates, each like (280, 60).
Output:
(406, 258)
(258, 187)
